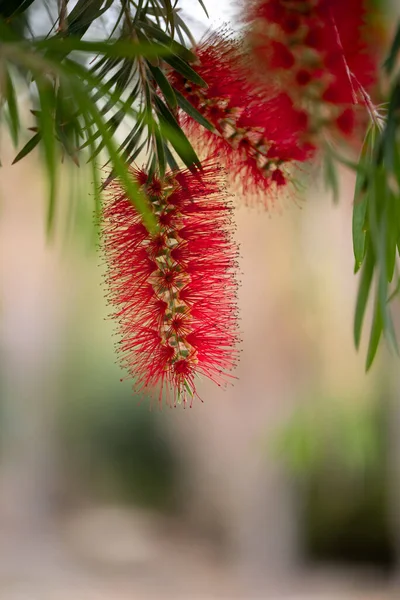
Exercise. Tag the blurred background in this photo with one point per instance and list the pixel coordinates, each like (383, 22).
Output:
(285, 486)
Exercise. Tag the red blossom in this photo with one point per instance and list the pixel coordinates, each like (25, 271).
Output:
(173, 292)
(345, 122)
(330, 46)
(281, 57)
(248, 119)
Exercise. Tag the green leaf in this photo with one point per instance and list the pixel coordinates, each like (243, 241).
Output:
(331, 178)
(185, 70)
(96, 189)
(361, 197)
(171, 130)
(120, 168)
(170, 158)
(359, 231)
(12, 108)
(169, 15)
(375, 336)
(83, 14)
(391, 59)
(29, 146)
(96, 185)
(164, 85)
(115, 49)
(46, 125)
(389, 134)
(189, 109)
(203, 7)
(66, 123)
(130, 157)
(157, 34)
(160, 151)
(180, 27)
(363, 294)
(132, 139)
(112, 125)
(391, 235)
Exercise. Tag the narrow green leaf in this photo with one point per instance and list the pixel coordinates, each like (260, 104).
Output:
(185, 70)
(390, 329)
(96, 189)
(170, 129)
(137, 130)
(164, 85)
(203, 7)
(66, 123)
(363, 294)
(112, 125)
(96, 183)
(375, 336)
(12, 108)
(119, 165)
(389, 134)
(72, 71)
(361, 198)
(116, 49)
(391, 235)
(83, 14)
(29, 146)
(160, 151)
(169, 16)
(391, 59)
(180, 27)
(106, 64)
(170, 158)
(157, 34)
(331, 177)
(46, 125)
(131, 157)
(132, 139)
(189, 109)
(359, 231)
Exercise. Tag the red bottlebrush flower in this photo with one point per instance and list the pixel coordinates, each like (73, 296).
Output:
(173, 292)
(278, 177)
(303, 77)
(281, 57)
(345, 122)
(329, 42)
(248, 120)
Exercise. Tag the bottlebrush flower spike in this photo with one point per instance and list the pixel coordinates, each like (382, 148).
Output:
(173, 292)
(318, 50)
(259, 133)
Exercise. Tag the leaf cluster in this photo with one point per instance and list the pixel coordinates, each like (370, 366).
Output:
(96, 86)
(376, 215)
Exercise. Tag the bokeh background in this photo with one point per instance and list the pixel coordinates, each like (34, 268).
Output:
(287, 485)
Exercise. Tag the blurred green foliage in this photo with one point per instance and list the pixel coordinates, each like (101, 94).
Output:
(337, 454)
(348, 435)
(116, 450)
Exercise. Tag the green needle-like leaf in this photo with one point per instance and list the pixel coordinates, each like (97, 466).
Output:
(363, 294)
(46, 125)
(12, 108)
